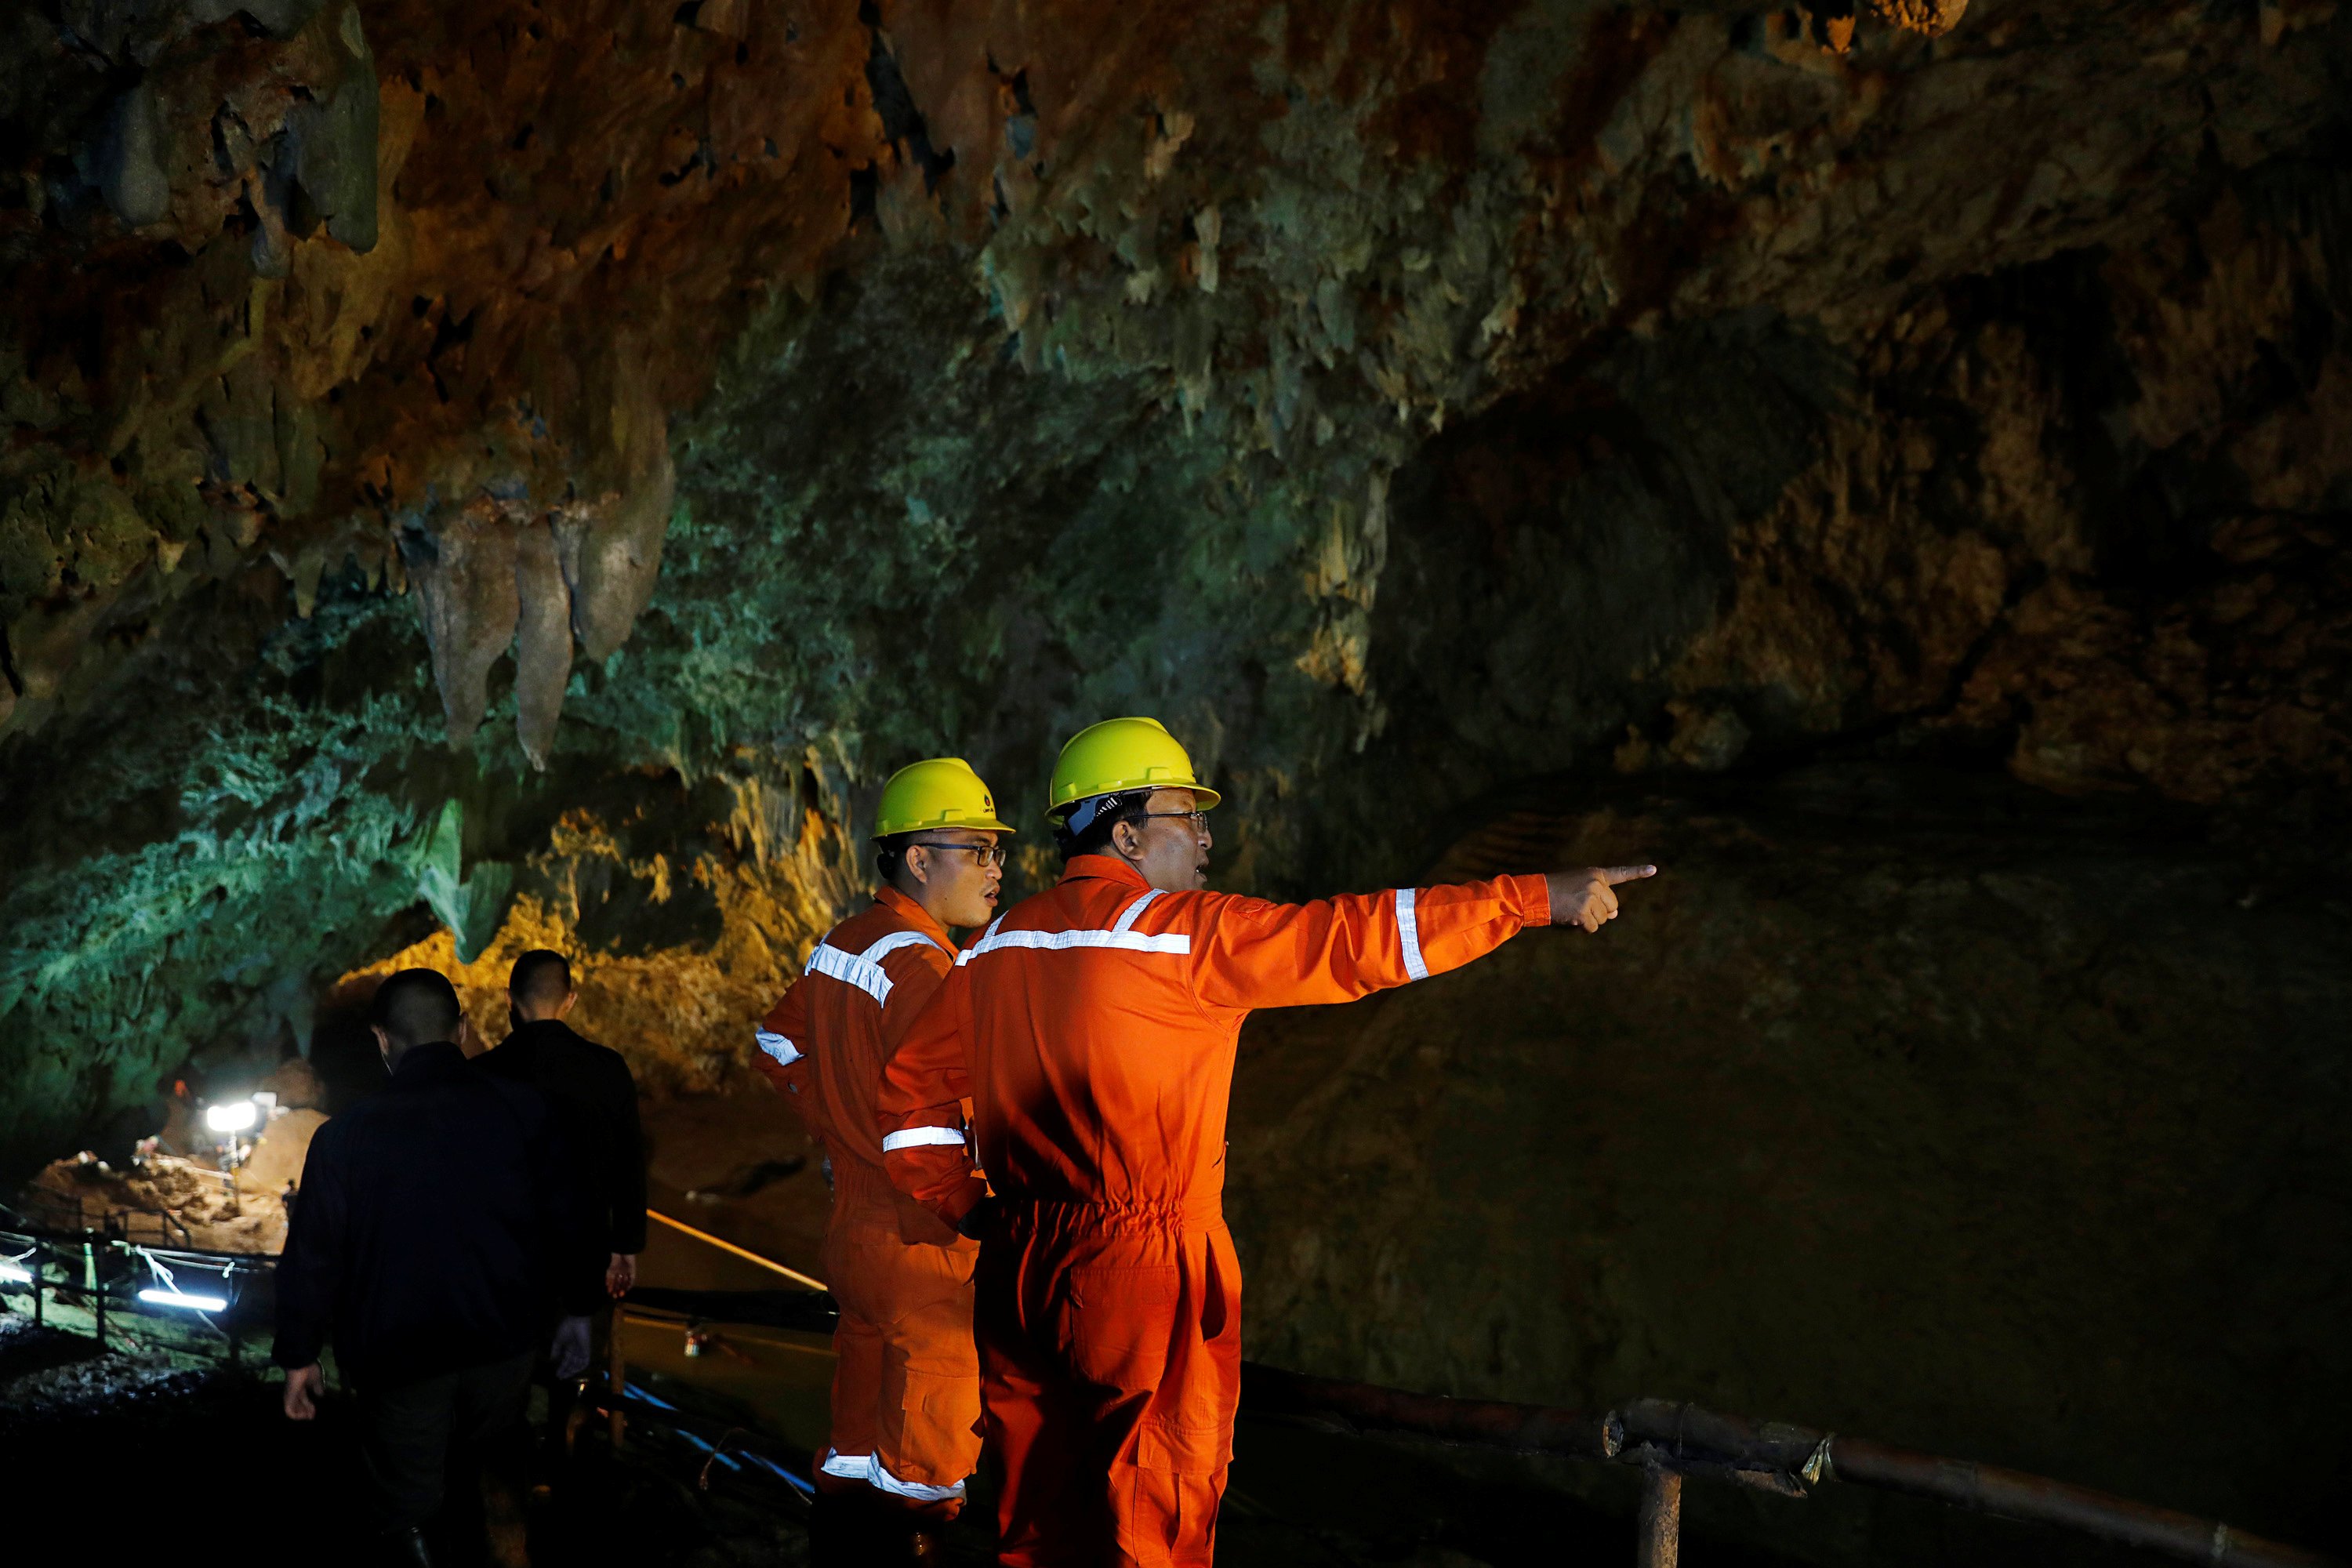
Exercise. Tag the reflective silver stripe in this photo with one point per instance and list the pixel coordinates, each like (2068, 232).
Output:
(921, 1491)
(828, 959)
(783, 1050)
(869, 1468)
(1062, 940)
(864, 970)
(1126, 920)
(894, 942)
(1409, 933)
(920, 1137)
(965, 956)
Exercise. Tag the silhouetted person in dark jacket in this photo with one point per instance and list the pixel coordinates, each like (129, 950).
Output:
(595, 1100)
(427, 1241)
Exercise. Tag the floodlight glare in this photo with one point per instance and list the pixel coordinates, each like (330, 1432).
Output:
(188, 1303)
(16, 1274)
(231, 1116)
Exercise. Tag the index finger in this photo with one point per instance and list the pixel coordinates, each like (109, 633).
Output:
(1613, 874)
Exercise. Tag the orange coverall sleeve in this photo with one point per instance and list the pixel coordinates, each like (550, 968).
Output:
(1249, 953)
(920, 1106)
(783, 1040)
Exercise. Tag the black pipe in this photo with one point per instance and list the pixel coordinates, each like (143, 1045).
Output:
(1530, 1428)
(1678, 1431)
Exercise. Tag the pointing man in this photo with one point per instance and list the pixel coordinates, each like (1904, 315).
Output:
(905, 1387)
(1093, 1027)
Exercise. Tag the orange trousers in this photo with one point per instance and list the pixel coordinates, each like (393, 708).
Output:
(906, 1379)
(1110, 1370)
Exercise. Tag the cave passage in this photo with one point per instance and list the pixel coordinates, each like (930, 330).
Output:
(493, 479)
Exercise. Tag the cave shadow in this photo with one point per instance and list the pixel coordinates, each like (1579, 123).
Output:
(26, 1349)
(342, 1052)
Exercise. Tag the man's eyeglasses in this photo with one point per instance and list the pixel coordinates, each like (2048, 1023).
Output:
(986, 854)
(1199, 819)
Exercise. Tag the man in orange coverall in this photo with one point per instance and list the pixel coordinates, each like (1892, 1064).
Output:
(1093, 1027)
(906, 1386)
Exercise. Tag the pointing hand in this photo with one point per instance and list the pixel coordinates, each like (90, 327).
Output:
(1586, 898)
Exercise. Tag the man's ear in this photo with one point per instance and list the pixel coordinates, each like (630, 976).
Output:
(568, 998)
(382, 1041)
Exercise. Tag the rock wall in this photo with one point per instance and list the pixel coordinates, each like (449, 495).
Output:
(1903, 1103)
(473, 478)
(736, 403)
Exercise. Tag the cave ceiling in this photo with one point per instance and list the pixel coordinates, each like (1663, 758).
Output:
(500, 473)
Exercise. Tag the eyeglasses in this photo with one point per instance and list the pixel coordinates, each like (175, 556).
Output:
(986, 854)
(1199, 819)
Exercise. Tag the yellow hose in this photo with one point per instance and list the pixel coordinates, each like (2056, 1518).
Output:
(744, 1252)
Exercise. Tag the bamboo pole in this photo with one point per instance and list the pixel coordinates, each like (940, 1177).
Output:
(743, 1252)
(1658, 1540)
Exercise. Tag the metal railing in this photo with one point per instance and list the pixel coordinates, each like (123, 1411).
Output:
(1670, 1440)
(98, 1269)
(1667, 1439)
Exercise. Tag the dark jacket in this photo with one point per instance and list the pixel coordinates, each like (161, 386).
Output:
(429, 1223)
(595, 1100)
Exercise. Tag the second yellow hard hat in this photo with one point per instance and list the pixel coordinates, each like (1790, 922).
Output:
(1123, 754)
(938, 792)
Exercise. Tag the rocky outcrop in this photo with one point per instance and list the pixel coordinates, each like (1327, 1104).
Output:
(1402, 404)
(1930, 1108)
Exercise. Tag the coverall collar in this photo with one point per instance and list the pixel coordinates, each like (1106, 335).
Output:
(914, 914)
(1102, 868)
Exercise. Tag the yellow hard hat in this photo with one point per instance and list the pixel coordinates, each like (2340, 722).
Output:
(1123, 754)
(938, 792)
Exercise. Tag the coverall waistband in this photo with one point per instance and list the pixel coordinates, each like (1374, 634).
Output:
(855, 1181)
(1187, 1216)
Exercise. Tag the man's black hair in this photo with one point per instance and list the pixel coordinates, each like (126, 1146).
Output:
(415, 1007)
(890, 853)
(1094, 838)
(540, 978)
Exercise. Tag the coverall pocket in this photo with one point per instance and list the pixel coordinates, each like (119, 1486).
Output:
(1113, 1323)
(1180, 1470)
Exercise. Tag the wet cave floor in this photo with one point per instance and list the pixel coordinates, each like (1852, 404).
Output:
(170, 1434)
(155, 1440)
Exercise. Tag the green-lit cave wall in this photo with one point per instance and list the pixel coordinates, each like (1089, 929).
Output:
(512, 472)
